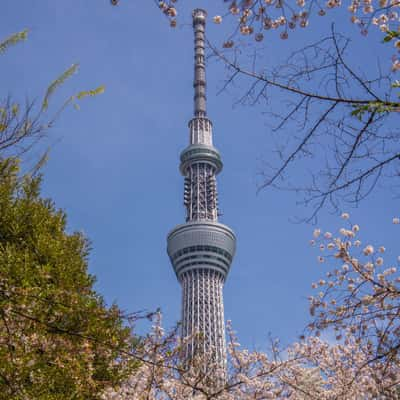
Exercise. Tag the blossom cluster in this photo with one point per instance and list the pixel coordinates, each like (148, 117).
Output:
(258, 16)
(359, 301)
(310, 368)
(168, 8)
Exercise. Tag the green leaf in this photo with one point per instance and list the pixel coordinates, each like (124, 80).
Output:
(57, 83)
(13, 39)
(93, 92)
(374, 106)
(390, 35)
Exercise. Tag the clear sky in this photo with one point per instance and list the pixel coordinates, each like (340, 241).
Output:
(114, 164)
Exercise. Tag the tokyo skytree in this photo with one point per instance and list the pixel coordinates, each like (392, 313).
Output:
(201, 250)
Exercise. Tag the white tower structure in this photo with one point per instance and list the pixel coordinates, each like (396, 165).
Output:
(201, 250)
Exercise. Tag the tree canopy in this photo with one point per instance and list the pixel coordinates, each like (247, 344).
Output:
(58, 338)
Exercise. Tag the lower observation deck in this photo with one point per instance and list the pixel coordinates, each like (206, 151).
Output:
(201, 245)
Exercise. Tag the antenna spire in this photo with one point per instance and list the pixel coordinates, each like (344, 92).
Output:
(199, 83)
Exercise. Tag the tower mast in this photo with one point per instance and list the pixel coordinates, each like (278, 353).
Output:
(201, 250)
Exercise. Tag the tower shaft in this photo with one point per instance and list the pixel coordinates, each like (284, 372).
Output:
(203, 311)
(201, 250)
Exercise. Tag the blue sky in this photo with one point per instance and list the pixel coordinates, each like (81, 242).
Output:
(114, 164)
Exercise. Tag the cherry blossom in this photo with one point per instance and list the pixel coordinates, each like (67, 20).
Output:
(357, 304)
(257, 16)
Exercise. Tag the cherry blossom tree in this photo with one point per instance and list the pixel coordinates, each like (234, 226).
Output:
(341, 122)
(358, 304)
(256, 17)
(309, 369)
(328, 114)
(359, 300)
(344, 132)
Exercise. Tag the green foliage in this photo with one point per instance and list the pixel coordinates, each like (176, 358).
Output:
(57, 83)
(60, 80)
(58, 340)
(390, 35)
(12, 40)
(22, 126)
(375, 106)
(87, 93)
(91, 93)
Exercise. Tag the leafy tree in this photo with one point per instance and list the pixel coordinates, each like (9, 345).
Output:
(58, 338)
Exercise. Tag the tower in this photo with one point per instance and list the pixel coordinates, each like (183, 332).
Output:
(201, 250)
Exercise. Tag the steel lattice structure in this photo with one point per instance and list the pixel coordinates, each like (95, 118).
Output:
(201, 250)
